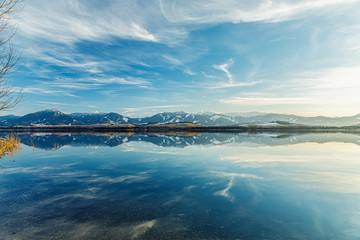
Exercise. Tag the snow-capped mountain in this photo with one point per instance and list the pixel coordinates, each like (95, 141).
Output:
(56, 117)
(205, 119)
(46, 117)
(293, 119)
(98, 118)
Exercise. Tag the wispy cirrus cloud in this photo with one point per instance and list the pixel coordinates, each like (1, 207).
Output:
(213, 11)
(46, 91)
(84, 65)
(225, 68)
(46, 103)
(189, 72)
(152, 107)
(150, 110)
(122, 81)
(232, 85)
(70, 21)
(72, 86)
(94, 83)
(172, 60)
(264, 100)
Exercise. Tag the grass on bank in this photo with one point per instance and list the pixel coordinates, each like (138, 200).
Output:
(9, 146)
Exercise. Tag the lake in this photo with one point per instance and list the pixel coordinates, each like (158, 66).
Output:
(182, 186)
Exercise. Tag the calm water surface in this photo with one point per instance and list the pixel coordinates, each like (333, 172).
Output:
(208, 186)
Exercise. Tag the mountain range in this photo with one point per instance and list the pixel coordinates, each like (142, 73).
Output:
(56, 117)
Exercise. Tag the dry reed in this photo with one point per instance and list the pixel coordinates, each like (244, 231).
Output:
(9, 145)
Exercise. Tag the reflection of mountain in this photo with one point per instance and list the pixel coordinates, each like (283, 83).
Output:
(55, 141)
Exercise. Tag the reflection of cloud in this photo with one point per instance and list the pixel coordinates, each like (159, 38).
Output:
(71, 229)
(264, 158)
(255, 189)
(27, 170)
(132, 148)
(189, 188)
(174, 200)
(126, 179)
(240, 175)
(225, 192)
(70, 196)
(142, 228)
(328, 166)
(334, 181)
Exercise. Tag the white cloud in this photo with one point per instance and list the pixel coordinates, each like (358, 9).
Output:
(84, 65)
(70, 84)
(119, 80)
(67, 86)
(172, 60)
(231, 85)
(338, 87)
(332, 78)
(331, 91)
(213, 11)
(46, 91)
(71, 21)
(189, 72)
(225, 68)
(150, 110)
(45, 103)
(153, 107)
(56, 55)
(264, 100)
(350, 36)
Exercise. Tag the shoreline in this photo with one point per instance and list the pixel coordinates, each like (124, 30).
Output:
(169, 129)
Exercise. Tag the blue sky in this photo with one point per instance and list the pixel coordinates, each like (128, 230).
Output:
(142, 57)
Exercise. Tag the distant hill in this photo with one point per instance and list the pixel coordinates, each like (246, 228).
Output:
(56, 117)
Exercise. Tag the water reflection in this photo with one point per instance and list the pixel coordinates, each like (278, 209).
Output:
(207, 186)
(55, 141)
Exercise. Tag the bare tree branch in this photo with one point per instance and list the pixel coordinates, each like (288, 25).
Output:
(8, 58)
